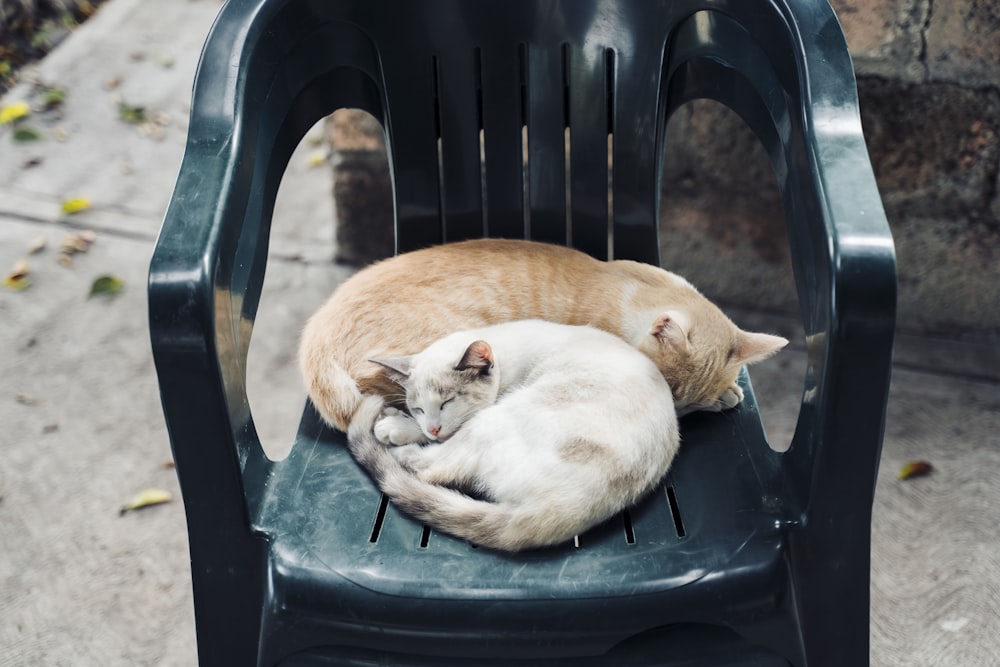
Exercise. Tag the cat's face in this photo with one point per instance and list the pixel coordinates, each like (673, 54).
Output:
(700, 357)
(446, 384)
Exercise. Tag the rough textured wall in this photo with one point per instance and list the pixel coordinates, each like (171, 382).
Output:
(929, 86)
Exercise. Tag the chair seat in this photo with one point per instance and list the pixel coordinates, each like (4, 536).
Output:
(346, 564)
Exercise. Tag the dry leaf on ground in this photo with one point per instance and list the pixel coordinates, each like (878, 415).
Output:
(74, 243)
(14, 112)
(26, 399)
(915, 469)
(37, 245)
(23, 134)
(107, 285)
(146, 498)
(74, 205)
(18, 278)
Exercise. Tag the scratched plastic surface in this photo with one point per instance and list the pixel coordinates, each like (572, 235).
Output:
(773, 546)
(323, 515)
(322, 511)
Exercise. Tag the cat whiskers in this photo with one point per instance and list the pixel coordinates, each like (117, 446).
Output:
(391, 400)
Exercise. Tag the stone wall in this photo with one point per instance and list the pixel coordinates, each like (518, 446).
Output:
(929, 85)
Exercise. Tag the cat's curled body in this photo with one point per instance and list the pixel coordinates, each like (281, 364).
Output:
(552, 428)
(400, 305)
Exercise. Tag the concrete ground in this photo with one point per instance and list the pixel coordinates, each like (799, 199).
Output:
(80, 423)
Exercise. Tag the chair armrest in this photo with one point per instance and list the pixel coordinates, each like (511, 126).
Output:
(788, 75)
(264, 79)
(851, 320)
(195, 333)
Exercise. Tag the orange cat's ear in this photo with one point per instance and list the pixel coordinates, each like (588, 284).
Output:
(398, 367)
(754, 347)
(478, 357)
(672, 328)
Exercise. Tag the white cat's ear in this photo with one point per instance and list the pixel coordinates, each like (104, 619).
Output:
(478, 357)
(398, 367)
(754, 347)
(672, 328)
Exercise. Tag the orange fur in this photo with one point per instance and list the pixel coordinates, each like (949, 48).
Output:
(401, 305)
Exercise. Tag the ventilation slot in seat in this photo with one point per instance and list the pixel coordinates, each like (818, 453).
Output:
(379, 519)
(675, 512)
(629, 531)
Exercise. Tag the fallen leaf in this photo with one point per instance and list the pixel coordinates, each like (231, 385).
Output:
(131, 113)
(317, 158)
(915, 469)
(18, 279)
(161, 118)
(146, 498)
(75, 205)
(14, 112)
(25, 134)
(73, 244)
(26, 399)
(37, 245)
(53, 97)
(107, 285)
(152, 130)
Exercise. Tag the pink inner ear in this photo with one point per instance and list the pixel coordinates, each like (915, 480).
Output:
(672, 327)
(478, 355)
(754, 347)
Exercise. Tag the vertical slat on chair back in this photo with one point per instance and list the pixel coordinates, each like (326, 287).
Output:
(534, 111)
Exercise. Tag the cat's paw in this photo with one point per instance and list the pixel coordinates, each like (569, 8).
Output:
(731, 397)
(397, 429)
(410, 457)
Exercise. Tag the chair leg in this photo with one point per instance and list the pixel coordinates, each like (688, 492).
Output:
(228, 605)
(833, 600)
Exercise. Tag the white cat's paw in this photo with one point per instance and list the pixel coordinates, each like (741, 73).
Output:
(397, 429)
(409, 456)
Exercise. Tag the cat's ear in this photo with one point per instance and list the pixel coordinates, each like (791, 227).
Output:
(398, 367)
(672, 328)
(478, 357)
(754, 347)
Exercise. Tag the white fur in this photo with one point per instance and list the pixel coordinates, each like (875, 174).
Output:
(582, 426)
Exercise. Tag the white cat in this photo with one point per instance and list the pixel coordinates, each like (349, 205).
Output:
(551, 428)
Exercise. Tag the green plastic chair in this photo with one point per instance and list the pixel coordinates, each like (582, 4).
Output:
(745, 556)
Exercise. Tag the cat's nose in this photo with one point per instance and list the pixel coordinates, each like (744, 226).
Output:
(434, 430)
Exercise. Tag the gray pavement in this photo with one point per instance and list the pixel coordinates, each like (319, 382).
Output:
(80, 423)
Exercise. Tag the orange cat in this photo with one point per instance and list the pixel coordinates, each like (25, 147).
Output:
(401, 305)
